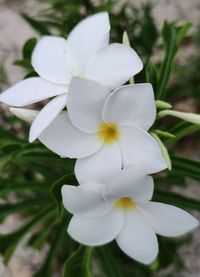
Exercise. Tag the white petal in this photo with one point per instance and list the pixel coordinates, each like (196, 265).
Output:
(30, 91)
(96, 231)
(100, 166)
(85, 102)
(49, 60)
(168, 220)
(129, 182)
(139, 106)
(46, 116)
(114, 65)
(137, 239)
(140, 149)
(67, 141)
(86, 39)
(85, 200)
(24, 114)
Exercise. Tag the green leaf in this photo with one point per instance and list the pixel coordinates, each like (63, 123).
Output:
(23, 63)
(28, 48)
(38, 239)
(152, 74)
(168, 253)
(31, 74)
(36, 25)
(164, 134)
(9, 146)
(186, 167)
(109, 264)
(8, 242)
(7, 186)
(172, 37)
(5, 134)
(182, 130)
(79, 263)
(176, 199)
(7, 209)
(68, 179)
(170, 180)
(56, 244)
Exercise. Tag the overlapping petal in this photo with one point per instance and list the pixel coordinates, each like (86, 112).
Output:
(140, 149)
(85, 102)
(168, 220)
(137, 239)
(129, 182)
(30, 91)
(131, 105)
(89, 36)
(67, 141)
(114, 65)
(96, 231)
(85, 200)
(49, 60)
(99, 166)
(46, 116)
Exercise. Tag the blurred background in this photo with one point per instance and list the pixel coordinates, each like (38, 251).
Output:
(17, 25)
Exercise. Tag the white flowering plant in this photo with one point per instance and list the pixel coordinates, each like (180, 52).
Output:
(95, 162)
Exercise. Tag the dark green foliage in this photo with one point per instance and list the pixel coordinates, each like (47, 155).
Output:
(78, 264)
(172, 37)
(57, 242)
(36, 175)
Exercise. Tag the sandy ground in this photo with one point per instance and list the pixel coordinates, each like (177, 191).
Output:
(13, 33)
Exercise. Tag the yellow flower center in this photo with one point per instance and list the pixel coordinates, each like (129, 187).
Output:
(125, 203)
(79, 73)
(109, 133)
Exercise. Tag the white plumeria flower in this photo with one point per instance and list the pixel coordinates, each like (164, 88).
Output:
(121, 209)
(106, 131)
(86, 53)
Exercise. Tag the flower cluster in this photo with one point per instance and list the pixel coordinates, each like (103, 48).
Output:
(105, 128)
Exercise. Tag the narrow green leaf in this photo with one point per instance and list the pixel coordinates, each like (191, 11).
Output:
(152, 74)
(30, 74)
(5, 134)
(182, 130)
(182, 33)
(176, 199)
(7, 186)
(186, 167)
(8, 242)
(56, 245)
(163, 134)
(23, 63)
(79, 263)
(68, 179)
(28, 48)
(38, 239)
(108, 263)
(7, 209)
(36, 25)
(172, 37)
(170, 180)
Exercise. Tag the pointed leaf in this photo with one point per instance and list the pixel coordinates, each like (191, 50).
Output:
(78, 264)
